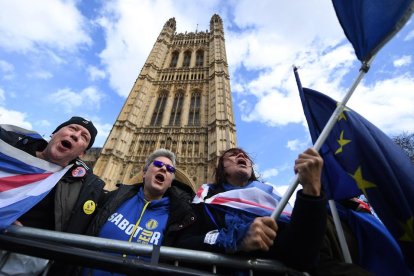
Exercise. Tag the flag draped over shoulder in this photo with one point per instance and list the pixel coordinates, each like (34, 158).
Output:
(369, 25)
(24, 181)
(257, 198)
(359, 158)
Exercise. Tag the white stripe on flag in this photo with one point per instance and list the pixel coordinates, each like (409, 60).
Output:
(34, 189)
(27, 158)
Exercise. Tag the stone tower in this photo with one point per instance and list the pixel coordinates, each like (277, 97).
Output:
(181, 101)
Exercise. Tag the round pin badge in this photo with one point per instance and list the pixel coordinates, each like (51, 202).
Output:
(78, 172)
(151, 224)
(89, 207)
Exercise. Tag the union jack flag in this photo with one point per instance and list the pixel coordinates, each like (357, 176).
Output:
(257, 198)
(24, 181)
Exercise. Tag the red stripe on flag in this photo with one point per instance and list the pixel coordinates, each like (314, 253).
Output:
(12, 182)
(222, 200)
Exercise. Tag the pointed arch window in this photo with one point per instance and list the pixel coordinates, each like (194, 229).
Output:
(159, 109)
(174, 59)
(194, 116)
(200, 58)
(175, 116)
(187, 59)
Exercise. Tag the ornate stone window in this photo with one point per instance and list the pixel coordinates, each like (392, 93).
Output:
(174, 59)
(159, 109)
(187, 59)
(194, 115)
(175, 116)
(199, 58)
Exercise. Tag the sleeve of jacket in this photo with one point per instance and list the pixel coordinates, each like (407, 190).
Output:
(298, 243)
(194, 236)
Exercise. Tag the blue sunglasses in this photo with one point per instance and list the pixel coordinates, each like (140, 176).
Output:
(160, 164)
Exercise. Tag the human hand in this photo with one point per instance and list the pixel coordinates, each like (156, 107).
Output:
(260, 236)
(309, 168)
(18, 223)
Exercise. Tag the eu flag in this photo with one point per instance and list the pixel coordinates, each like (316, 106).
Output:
(369, 25)
(360, 158)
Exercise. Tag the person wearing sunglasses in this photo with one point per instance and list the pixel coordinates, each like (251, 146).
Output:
(149, 212)
(233, 214)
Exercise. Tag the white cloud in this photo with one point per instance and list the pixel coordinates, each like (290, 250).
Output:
(43, 123)
(95, 73)
(103, 132)
(43, 75)
(2, 96)
(277, 95)
(131, 29)
(275, 109)
(7, 70)
(128, 47)
(282, 190)
(402, 61)
(103, 128)
(50, 23)
(409, 36)
(6, 67)
(88, 98)
(13, 117)
(293, 145)
(270, 173)
(387, 102)
(273, 38)
(267, 47)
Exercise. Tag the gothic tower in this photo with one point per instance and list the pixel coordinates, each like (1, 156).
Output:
(181, 101)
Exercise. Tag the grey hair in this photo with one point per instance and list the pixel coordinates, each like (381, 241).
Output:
(159, 153)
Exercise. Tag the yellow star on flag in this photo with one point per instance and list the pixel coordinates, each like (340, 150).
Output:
(342, 142)
(342, 115)
(408, 231)
(361, 182)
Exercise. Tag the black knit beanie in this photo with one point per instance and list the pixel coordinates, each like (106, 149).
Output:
(82, 122)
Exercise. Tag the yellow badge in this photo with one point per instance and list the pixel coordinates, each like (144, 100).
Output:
(89, 207)
(151, 224)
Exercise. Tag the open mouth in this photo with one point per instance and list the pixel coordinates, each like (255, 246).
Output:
(160, 177)
(241, 162)
(66, 144)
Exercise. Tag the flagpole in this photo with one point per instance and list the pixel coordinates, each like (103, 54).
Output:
(322, 137)
(340, 232)
(317, 146)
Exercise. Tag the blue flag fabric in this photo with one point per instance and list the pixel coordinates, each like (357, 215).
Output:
(369, 24)
(360, 158)
(379, 253)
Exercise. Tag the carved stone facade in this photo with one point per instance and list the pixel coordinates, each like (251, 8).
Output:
(181, 101)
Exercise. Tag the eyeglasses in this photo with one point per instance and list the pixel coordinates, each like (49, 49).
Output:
(160, 164)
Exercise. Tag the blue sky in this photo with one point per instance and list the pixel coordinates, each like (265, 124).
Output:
(65, 58)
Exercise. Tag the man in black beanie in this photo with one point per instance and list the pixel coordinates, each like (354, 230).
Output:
(73, 201)
(69, 141)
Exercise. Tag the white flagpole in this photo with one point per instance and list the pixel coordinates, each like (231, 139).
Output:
(322, 137)
(340, 232)
(317, 146)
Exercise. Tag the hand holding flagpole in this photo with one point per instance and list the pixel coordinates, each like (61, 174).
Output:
(373, 33)
(322, 138)
(317, 146)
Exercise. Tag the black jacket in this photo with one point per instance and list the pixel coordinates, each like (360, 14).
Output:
(180, 215)
(297, 243)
